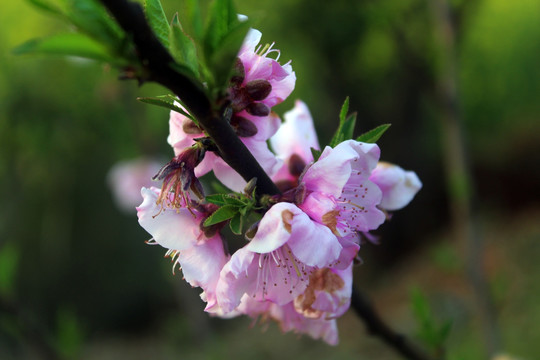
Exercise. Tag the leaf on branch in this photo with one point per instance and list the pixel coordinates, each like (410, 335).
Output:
(46, 6)
(236, 224)
(92, 19)
(168, 102)
(346, 125)
(71, 44)
(157, 20)
(316, 154)
(193, 10)
(224, 213)
(373, 135)
(222, 40)
(183, 48)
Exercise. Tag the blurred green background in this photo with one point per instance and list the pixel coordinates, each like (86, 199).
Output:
(78, 281)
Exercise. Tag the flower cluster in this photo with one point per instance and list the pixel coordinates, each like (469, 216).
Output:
(296, 267)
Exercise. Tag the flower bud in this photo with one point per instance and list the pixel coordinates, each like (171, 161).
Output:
(243, 127)
(258, 89)
(258, 109)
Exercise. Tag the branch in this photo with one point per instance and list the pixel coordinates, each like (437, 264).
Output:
(376, 327)
(159, 65)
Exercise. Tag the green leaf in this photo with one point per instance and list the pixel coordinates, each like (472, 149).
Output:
(9, 260)
(71, 44)
(194, 14)
(344, 111)
(46, 6)
(157, 20)
(222, 214)
(373, 135)
(316, 154)
(221, 19)
(236, 224)
(222, 40)
(182, 47)
(224, 58)
(218, 199)
(166, 101)
(91, 18)
(346, 125)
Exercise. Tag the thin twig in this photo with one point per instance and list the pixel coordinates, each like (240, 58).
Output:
(376, 327)
(159, 65)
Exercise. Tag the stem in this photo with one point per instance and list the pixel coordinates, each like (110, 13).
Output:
(376, 327)
(159, 65)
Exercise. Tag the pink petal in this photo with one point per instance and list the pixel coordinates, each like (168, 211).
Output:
(398, 186)
(176, 229)
(296, 135)
(329, 174)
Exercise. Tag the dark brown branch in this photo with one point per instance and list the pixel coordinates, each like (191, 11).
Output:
(376, 327)
(159, 66)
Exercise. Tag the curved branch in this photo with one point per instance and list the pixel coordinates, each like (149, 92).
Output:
(159, 65)
(376, 327)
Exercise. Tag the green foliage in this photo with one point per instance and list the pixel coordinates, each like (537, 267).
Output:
(429, 331)
(316, 153)
(233, 207)
(99, 37)
(183, 48)
(346, 125)
(69, 44)
(168, 102)
(373, 135)
(222, 40)
(157, 20)
(9, 260)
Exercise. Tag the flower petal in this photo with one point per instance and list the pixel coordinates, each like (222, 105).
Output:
(398, 186)
(176, 229)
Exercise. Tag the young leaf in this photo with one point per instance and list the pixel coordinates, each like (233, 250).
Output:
(373, 135)
(346, 125)
(182, 47)
(218, 199)
(91, 18)
(70, 44)
(236, 224)
(222, 40)
(224, 213)
(344, 111)
(316, 154)
(46, 6)
(224, 57)
(157, 20)
(194, 14)
(166, 101)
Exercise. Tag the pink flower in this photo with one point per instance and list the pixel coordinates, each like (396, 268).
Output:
(200, 255)
(397, 185)
(293, 142)
(275, 266)
(258, 66)
(339, 192)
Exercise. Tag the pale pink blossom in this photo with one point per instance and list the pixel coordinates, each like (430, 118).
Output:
(200, 255)
(275, 266)
(293, 142)
(397, 185)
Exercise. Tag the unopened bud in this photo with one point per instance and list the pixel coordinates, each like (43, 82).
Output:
(244, 127)
(258, 109)
(258, 89)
